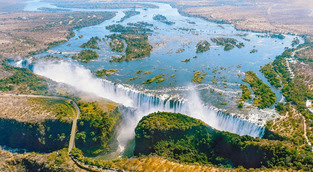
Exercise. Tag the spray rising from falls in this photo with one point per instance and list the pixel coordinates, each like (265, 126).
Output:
(137, 104)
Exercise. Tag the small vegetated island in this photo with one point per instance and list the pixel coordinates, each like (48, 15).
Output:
(245, 95)
(186, 60)
(203, 46)
(92, 43)
(272, 77)
(141, 24)
(105, 72)
(158, 78)
(273, 35)
(179, 137)
(198, 76)
(278, 36)
(136, 39)
(86, 56)
(265, 97)
(228, 43)
(162, 19)
(253, 51)
(132, 28)
(129, 14)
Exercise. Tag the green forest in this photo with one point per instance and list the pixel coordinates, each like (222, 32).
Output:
(265, 97)
(95, 128)
(86, 56)
(179, 137)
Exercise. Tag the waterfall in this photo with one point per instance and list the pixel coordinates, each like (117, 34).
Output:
(139, 104)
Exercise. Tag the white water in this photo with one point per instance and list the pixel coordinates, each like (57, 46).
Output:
(138, 104)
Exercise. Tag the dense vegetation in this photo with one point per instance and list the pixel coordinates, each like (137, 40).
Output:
(133, 29)
(117, 45)
(271, 75)
(265, 97)
(86, 56)
(138, 46)
(129, 14)
(162, 19)
(157, 78)
(135, 36)
(95, 128)
(203, 46)
(278, 36)
(228, 43)
(23, 81)
(140, 24)
(179, 137)
(106, 72)
(92, 43)
(246, 94)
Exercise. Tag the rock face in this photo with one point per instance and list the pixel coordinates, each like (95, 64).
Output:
(46, 136)
(179, 137)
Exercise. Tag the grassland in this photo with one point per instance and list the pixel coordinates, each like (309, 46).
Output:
(26, 109)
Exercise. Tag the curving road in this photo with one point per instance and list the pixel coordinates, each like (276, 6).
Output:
(74, 125)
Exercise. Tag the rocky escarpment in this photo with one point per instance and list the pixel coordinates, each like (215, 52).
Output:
(46, 136)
